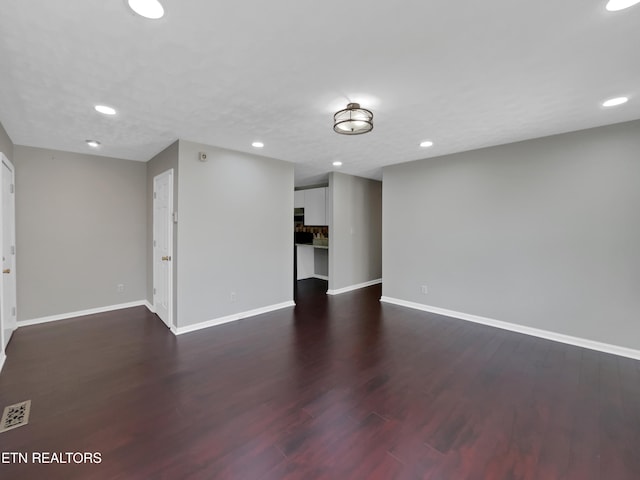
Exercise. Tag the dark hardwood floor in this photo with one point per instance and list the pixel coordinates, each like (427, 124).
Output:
(338, 388)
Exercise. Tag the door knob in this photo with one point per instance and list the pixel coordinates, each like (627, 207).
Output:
(166, 259)
(6, 270)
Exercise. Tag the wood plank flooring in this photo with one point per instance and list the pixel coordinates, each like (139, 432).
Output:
(338, 387)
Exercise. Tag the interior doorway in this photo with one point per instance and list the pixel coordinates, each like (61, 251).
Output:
(8, 311)
(163, 246)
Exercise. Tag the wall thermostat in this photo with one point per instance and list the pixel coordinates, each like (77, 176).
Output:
(203, 156)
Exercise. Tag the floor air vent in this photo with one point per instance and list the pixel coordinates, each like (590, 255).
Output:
(15, 416)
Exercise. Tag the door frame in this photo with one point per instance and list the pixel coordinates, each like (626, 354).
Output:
(170, 222)
(3, 320)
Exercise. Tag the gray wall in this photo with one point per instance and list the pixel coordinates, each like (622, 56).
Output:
(236, 233)
(355, 230)
(6, 145)
(543, 233)
(163, 161)
(80, 231)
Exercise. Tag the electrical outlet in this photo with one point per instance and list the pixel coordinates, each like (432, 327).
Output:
(120, 287)
(424, 289)
(232, 296)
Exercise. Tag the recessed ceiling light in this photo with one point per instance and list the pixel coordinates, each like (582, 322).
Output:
(615, 5)
(426, 143)
(93, 143)
(147, 8)
(257, 144)
(104, 109)
(612, 102)
(337, 163)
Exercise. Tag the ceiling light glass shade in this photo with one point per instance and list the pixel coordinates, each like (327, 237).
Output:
(353, 120)
(93, 143)
(257, 144)
(152, 9)
(337, 163)
(615, 5)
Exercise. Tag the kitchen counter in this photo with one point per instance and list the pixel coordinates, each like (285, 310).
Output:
(326, 247)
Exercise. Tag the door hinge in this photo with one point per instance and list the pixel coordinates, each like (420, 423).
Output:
(155, 195)
(13, 311)
(154, 291)
(13, 249)
(175, 217)
(155, 243)
(12, 188)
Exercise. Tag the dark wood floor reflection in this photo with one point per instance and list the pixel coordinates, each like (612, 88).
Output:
(336, 388)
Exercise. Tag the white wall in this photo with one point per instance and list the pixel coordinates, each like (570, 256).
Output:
(355, 230)
(80, 231)
(543, 233)
(6, 145)
(235, 233)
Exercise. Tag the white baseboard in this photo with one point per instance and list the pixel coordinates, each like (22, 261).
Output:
(350, 288)
(80, 313)
(535, 332)
(231, 318)
(3, 357)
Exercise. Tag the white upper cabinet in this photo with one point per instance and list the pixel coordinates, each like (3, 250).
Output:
(315, 209)
(298, 199)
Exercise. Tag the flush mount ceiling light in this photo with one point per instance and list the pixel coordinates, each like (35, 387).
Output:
(93, 143)
(426, 143)
(337, 163)
(615, 5)
(353, 120)
(257, 144)
(614, 102)
(147, 8)
(105, 110)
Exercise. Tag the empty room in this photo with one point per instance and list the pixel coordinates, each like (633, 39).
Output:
(320, 240)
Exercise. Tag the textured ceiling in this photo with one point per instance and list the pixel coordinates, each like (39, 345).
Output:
(464, 74)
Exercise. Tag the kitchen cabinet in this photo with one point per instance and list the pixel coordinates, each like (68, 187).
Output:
(298, 199)
(315, 208)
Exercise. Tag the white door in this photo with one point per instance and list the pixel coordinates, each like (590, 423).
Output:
(8, 288)
(163, 246)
